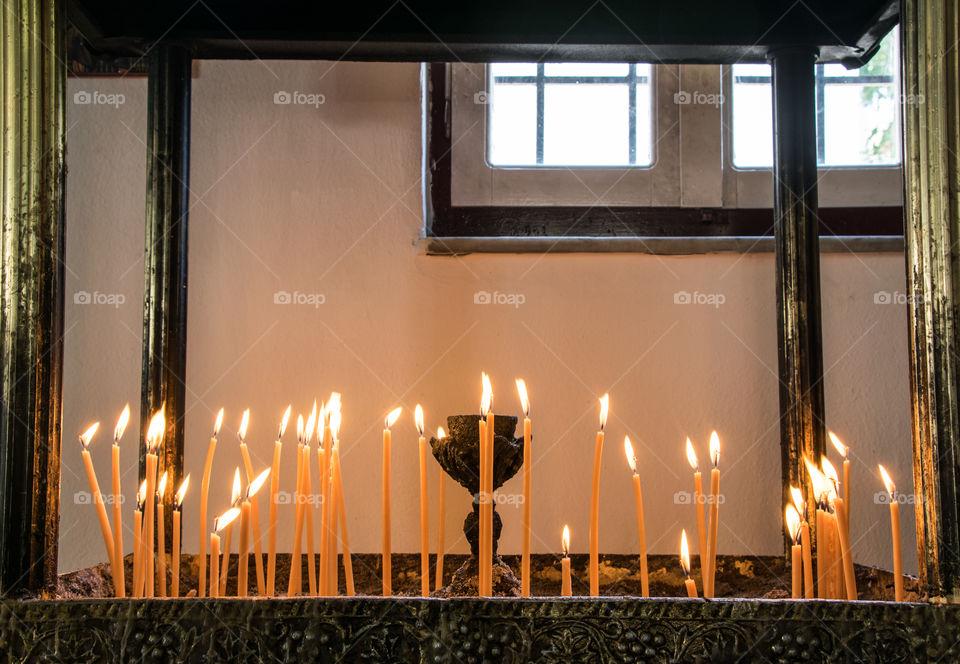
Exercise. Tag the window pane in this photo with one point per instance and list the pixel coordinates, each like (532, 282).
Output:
(570, 114)
(512, 115)
(857, 119)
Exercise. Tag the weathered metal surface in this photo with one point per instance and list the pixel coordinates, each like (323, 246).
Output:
(471, 631)
(31, 318)
(163, 382)
(931, 80)
(797, 251)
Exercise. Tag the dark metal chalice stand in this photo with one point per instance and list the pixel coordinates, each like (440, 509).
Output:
(459, 456)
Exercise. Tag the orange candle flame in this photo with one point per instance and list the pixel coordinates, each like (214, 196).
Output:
(692, 457)
(486, 399)
(121, 424)
(441, 433)
(219, 422)
(418, 418)
(257, 482)
(87, 435)
(631, 457)
(244, 423)
(524, 399)
(225, 519)
(714, 449)
(888, 482)
(565, 541)
(792, 520)
(156, 430)
(842, 449)
(604, 409)
(182, 491)
(684, 553)
(235, 494)
(283, 421)
(392, 417)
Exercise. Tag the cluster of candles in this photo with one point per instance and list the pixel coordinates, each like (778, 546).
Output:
(834, 560)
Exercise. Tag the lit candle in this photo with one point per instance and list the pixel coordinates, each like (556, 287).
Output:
(342, 512)
(708, 582)
(527, 482)
(385, 496)
(119, 573)
(155, 432)
(641, 530)
(595, 502)
(219, 523)
(138, 541)
(161, 539)
(254, 508)
(702, 550)
(295, 583)
(309, 507)
(565, 585)
(85, 438)
(801, 506)
(274, 491)
(685, 565)
(792, 521)
(844, 451)
(485, 403)
(204, 494)
(331, 432)
(441, 480)
(843, 536)
(895, 531)
(823, 547)
(326, 503)
(175, 554)
(424, 508)
(488, 498)
(227, 531)
(245, 521)
(336, 506)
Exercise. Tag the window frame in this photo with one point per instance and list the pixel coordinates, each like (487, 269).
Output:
(446, 217)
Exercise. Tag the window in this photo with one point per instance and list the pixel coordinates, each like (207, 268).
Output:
(569, 114)
(600, 149)
(857, 113)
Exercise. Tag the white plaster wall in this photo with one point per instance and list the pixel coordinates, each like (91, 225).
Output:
(327, 200)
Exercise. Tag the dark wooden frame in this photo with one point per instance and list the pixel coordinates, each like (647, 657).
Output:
(448, 220)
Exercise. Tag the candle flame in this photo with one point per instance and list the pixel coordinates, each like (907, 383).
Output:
(235, 494)
(333, 405)
(87, 435)
(684, 553)
(300, 429)
(486, 399)
(257, 482)
(692, 457)
(714, 449)
(798, 501)
(888, 481)
(311, 425)
(631, 457)
(121, 424)
(792, 520)
(842, 449)
(441, 434)
(158, 426)
(820, 483)
(391, 417)
(604, 409)
(565, 541)
(244, 423)
(182, 491)
(524, 399)
(142, 494)
(335, 419)
(418, 418)
(283, 421)
(225, 519)
(219, 422)
(162, 486)
(829, 471)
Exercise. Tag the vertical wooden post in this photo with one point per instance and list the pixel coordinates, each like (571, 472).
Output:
(796, 230)
(33, 35)
(930, 30)
(163, 380)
